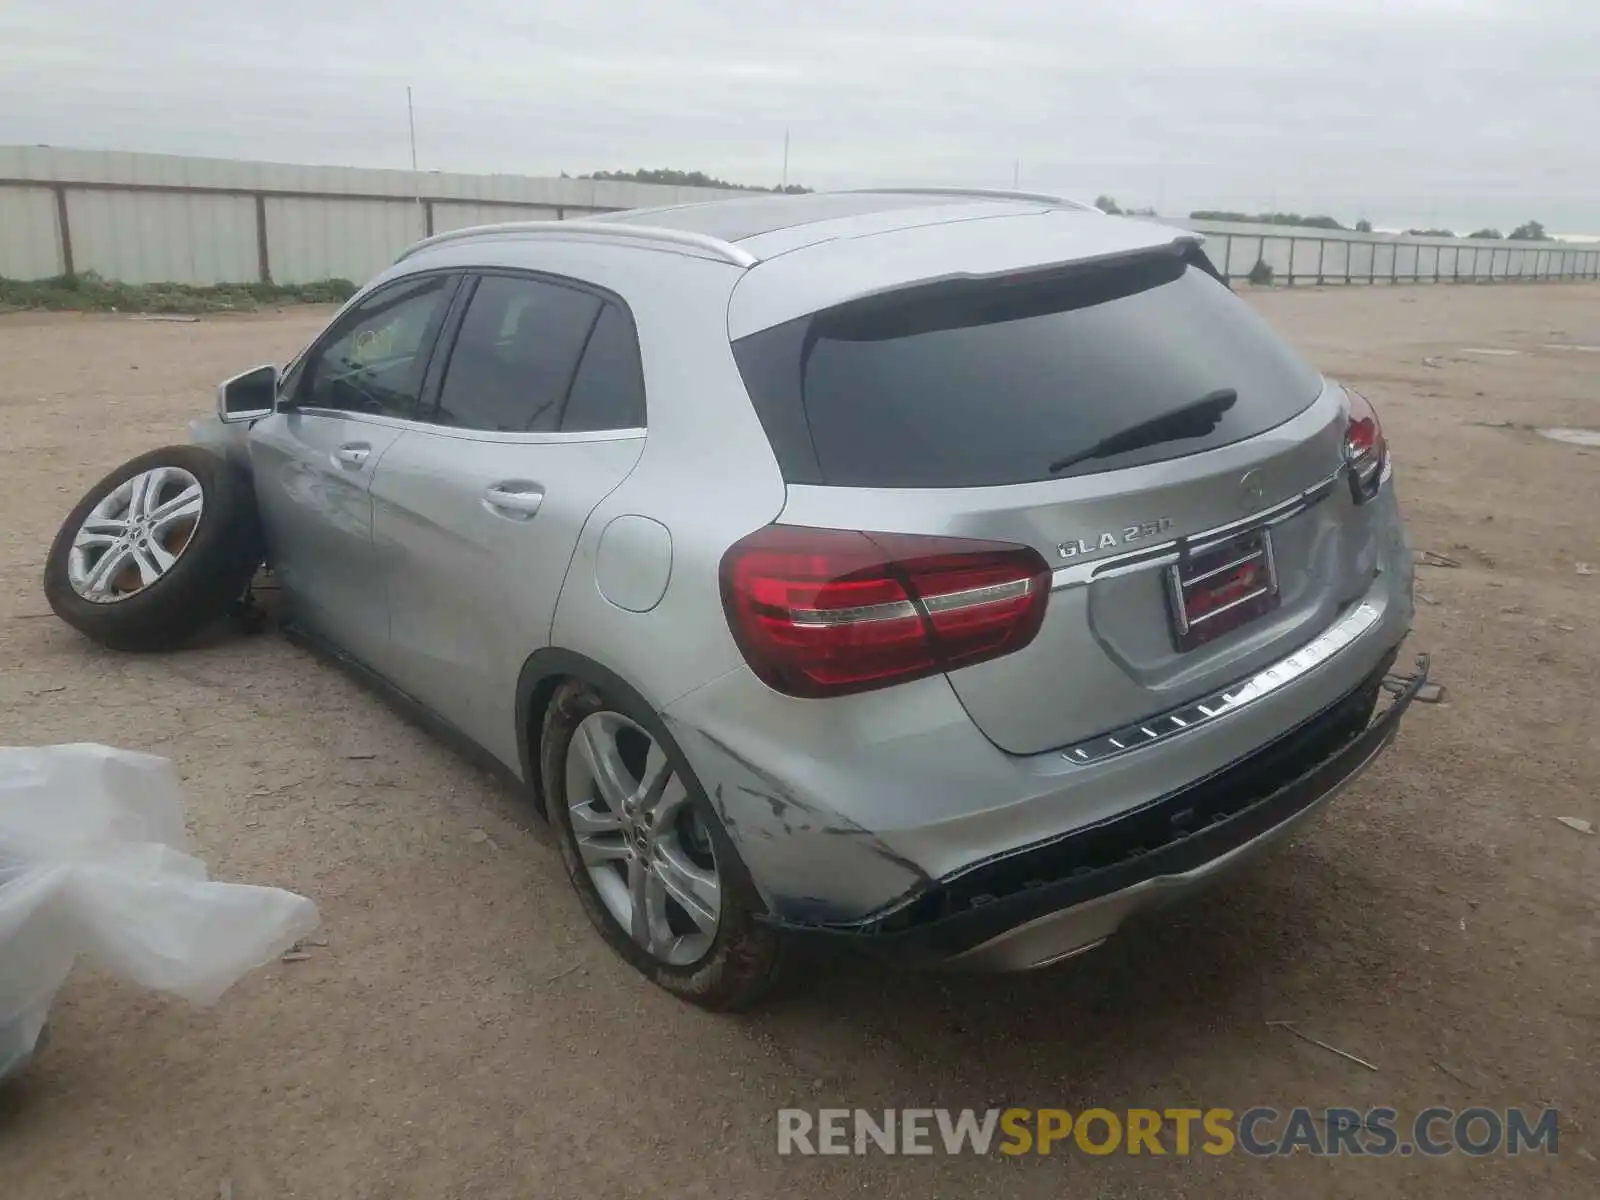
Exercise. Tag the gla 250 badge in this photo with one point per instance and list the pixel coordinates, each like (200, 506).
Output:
(1111, 539)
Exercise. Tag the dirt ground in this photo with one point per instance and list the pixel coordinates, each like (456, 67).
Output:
(463, 1034)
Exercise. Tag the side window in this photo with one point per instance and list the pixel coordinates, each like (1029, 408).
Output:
(514, 358)
(608, 391)
(376, 359)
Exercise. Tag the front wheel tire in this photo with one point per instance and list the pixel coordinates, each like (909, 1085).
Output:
(646, 854)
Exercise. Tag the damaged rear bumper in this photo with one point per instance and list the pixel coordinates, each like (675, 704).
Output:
(1050, 901)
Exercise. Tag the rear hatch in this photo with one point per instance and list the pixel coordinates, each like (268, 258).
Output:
(973, 408)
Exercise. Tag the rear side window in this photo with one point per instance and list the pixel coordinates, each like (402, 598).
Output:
(516, 355)
(967, 385)
(608, 391)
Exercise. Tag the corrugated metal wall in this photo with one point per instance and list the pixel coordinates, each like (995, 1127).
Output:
(49, 164)
(158, 237)
(148, 218)
(30, 239)
(447, 216)
(309, 240)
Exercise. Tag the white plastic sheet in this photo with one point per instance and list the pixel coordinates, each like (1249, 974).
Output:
(94, 861)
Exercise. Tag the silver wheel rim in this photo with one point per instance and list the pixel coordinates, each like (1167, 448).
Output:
(645, 847)
(135, 535)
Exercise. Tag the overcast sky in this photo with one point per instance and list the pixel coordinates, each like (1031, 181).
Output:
(1453, 112)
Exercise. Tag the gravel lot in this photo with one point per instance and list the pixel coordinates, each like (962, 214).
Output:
(464, 1034)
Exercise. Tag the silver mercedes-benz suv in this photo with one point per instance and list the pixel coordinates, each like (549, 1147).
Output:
(948, 574)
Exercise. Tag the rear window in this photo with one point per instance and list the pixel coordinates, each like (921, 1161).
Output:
(968, 385)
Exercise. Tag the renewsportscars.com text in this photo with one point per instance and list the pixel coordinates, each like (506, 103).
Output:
(1260, 1132)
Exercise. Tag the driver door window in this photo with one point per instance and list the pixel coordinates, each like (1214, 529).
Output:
(375, 359)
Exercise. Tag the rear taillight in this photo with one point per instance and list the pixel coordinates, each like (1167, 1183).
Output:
(825, 612)
(1364, 448)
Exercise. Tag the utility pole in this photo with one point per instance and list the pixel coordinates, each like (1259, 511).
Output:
(786, 158)
(411, 119)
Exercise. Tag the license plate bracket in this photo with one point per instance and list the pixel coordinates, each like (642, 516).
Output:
(1218, 587)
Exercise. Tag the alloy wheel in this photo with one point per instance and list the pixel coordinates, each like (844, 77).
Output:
(135, 535)
(644, 845)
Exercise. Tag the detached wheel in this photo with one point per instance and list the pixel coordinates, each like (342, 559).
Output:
(157, 551)
(651, 862)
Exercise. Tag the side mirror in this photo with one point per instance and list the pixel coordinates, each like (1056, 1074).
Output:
(250, 396)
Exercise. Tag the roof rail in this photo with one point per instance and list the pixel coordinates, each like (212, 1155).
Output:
(680, 238)
(980, 194)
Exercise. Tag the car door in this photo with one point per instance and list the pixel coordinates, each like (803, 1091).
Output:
(537, 414)
(341, 408)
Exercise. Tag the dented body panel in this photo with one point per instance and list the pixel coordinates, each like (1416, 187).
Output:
(861, 802)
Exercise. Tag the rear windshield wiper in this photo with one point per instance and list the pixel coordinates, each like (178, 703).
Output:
(1194, 419)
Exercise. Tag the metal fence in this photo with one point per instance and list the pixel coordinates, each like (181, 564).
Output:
(1307, 256)
(153, 218)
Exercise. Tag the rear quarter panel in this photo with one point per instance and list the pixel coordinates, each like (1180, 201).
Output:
(707, 474)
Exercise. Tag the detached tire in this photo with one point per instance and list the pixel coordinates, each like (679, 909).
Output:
(157, 551)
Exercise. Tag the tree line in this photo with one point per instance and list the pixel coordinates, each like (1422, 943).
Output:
(1530, 231)
(697, 179)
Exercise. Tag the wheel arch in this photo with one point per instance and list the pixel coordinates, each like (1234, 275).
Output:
(542, 674)
(545, 671)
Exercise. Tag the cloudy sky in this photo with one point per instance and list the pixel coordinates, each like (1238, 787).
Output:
(1409, 112)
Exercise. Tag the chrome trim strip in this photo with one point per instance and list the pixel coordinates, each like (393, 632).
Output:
(972, 597)
(1201, 542)
(1122, 567)
(1166, 553)
(1229, 699)
(1215, 571)
(552, 436)
(1180, 610)
(824, 618)
(895, 610)
(616, 231)
(1231, 604)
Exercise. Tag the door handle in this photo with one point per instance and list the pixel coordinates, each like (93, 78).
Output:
(352, 455)
(518, 501)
